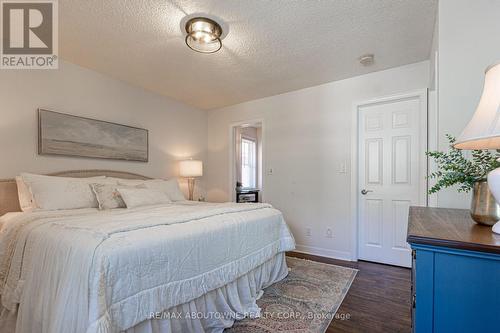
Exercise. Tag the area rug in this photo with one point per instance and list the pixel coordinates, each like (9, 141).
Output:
(304, 302)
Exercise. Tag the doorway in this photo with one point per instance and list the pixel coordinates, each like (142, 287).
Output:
(246, 162)
(391, 138)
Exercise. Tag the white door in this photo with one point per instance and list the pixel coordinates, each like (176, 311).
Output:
(391, 175)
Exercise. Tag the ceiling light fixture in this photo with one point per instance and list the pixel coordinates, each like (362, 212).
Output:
(203, 35)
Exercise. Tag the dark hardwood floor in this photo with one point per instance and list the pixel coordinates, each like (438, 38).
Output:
(378, 300)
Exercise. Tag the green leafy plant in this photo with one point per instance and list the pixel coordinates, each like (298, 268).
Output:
(456, 169)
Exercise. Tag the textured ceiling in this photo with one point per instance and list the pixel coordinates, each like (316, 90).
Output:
(272, 46)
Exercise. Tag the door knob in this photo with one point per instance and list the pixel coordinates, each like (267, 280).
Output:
(365, 192)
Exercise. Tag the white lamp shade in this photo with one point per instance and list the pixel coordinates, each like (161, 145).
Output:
(191, 168)
(483, 130)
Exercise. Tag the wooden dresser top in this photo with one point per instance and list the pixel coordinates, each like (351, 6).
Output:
(450, 228)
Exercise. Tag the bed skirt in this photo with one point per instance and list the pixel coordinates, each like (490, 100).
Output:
(210, 313)
(219, 308)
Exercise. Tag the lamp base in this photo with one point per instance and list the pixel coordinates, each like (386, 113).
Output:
(494, 185)
(496, 228)
(191, 188)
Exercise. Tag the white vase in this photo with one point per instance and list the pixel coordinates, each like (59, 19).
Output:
(494, 184)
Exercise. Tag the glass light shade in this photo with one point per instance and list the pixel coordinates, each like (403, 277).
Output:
(483, 130)
(191, 168)
(203, 35)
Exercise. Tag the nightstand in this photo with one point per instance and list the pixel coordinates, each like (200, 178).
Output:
(247, 195)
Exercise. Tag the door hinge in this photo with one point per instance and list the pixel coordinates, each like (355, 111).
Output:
(414, 254)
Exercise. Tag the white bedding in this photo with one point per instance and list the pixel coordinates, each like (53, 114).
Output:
(108, 271)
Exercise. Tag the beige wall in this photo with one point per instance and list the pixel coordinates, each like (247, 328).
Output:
(468, 42)
(306, 135)
(176, 131)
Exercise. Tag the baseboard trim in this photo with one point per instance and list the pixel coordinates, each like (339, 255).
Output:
(322, 252)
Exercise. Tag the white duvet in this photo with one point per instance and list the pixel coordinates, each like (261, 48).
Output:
(91, 271)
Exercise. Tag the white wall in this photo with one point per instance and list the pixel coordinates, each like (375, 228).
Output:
(433, 56)
(306, 136)
(468, 42)
(176, 131)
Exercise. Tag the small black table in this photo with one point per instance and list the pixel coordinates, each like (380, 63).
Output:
(247, 195)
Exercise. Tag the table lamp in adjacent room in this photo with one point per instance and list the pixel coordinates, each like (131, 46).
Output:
(483, 130)
(191, 169)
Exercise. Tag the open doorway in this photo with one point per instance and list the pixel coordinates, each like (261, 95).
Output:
(246, 162)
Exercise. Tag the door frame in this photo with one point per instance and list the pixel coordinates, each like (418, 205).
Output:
(421, 94)
(232, 182)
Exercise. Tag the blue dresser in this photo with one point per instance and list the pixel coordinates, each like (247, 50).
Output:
(455, 272)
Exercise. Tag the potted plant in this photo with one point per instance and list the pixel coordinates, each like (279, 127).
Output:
(454, 169)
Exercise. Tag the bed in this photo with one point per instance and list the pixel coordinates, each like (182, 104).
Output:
(178, 267)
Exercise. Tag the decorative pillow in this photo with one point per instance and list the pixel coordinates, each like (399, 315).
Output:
(107, 196)
(55, 193)
(137, 197)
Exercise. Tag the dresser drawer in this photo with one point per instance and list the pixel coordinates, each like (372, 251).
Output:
(455, 272)
(455, 290)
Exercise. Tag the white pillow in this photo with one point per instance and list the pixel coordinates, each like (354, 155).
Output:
(55, 193)
(26, 200)
(137, 197)
(128, 182)
(169, 187)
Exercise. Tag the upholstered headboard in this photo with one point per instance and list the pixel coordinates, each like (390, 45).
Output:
(9, 201)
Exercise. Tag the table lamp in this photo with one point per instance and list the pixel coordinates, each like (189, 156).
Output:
(191, 169)
(483, 130)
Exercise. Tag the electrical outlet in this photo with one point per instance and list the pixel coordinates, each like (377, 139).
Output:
(329, 233)
(308, 232)
(342, 168)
